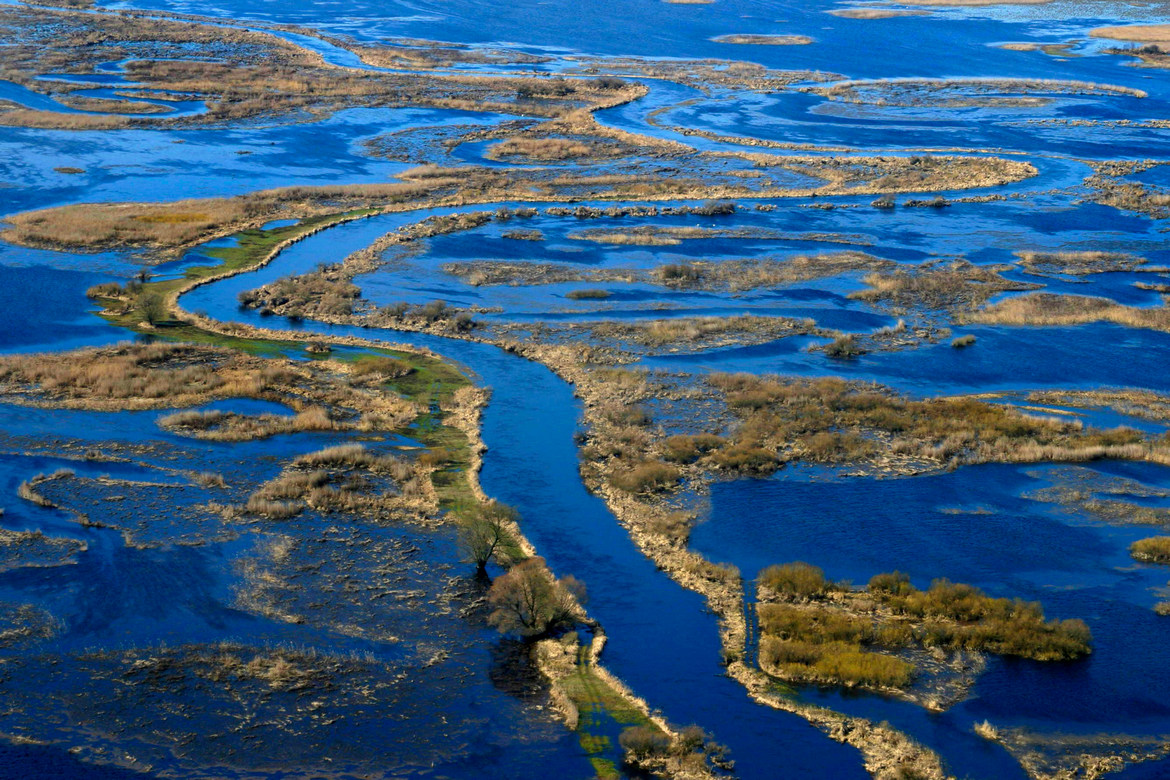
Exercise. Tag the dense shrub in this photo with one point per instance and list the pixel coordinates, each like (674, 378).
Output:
(642, 742)
(796, 580)
(817, 625)
(687, 449)
(646, 477)
(589, 294)
(844, 347)
(894, 583)
(962, 616)
(862, 668)
(838, 662)
(745, 459)
(1155, 549)
(683, 273)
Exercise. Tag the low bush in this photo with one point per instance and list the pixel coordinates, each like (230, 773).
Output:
(796, 580)
(745, 459)
(861, 668)
(814, 625)
(643, 742)
(273, 510)
(106, 290)
(680, 273)
(1155, 549)
(591, 294)
(835, 661)
(647, 477)
(687, 449)
(894, 583)
(962, 616)
(844, 347)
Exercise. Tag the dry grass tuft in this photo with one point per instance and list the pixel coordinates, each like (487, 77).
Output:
(1054, 309)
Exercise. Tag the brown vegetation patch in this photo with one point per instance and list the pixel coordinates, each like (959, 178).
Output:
(482, 273)
(656, 235)
(94, 226)
(348, 478)
(1055, 309)
(1131, 196)
(1086, 492)
(751, 274)
(701, 333)
(166, 376)
(1155, 549)
(1130, 401)
(22, 623)
(875, 175)
(731, 275)
(259, 73)
(1078, 263)
(879, 637)
(543, 149)
(704, 74)
(955, 287)
(764, 40)
(1138, 33)
(1060, 756)
(873, 13)
(20, 549)
(834, 421)
(955, 93)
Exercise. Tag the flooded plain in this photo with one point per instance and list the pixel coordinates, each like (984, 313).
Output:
(151, 627)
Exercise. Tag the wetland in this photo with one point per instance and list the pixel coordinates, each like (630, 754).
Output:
(675, 389)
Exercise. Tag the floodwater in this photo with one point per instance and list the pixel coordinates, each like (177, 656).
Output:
(446, 697)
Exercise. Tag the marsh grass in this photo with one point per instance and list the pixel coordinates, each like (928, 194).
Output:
(1056, 309)
(346, 478)
(1155, 549)
(543, 149)
(836, 662)
(844, 347)
(799, 580)
(95, 226)
(646, 477)
(764, 40)
(591, 294)
(1078, 263)
(955, 287)
(217, 425)
(523, 235)
(835, 421)
(702, 332)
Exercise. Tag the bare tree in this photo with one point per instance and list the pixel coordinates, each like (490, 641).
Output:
(154, 309)
(530, 602)
(484, 534)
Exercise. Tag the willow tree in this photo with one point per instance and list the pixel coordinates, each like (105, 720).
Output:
(529, 602)
(485, 534)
